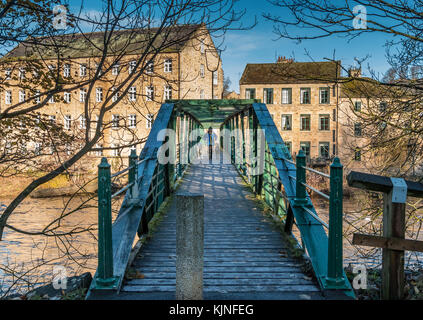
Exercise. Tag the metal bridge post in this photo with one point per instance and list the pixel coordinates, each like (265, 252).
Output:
(335, 279)
(104, 279)
(301, 195)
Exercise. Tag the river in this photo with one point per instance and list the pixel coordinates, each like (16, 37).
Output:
(28, 260)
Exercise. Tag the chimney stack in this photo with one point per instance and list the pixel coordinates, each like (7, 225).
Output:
(354, 73)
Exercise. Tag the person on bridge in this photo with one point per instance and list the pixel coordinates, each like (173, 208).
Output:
(210, 138)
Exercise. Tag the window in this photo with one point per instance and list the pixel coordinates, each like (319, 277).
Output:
(324, 122)
(324, 150)
(67, 97)
(286, 122)
(99, 152)
(8, 74)
(168, 93)
(115, 69)
(132, 65)
(21, 96)
(150, 67)
(357, 129)
(357, 154)
(168, 65)
(133, 94)
(51, 67)
(99, 94)
(115, 94)
(215, 78)
(66, 71)
(305, 95)
(82, 122)
(116, 150)
(202, 74)
(37, 96)
(202, 47)
(383, 106)
(21, 73)
(82, 70)
(51, 100)
(334, 115)
(333, 135)
(115, 121)
(324, 94)
(67, 125)
(250, 93)
(286, 96)
(37, 148)
(52, 119)
(150, 93)
(132, 121)
(288, 145)
(97, 67)
(305, 146)
(8, 97)
(202, 96)
(150, 121)
(82, 95)
(357, 106)
(268, 95)
(305, 122)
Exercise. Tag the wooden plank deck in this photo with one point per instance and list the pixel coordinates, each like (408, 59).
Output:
(245, 256)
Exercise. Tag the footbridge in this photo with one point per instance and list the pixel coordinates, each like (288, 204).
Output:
(255, 195)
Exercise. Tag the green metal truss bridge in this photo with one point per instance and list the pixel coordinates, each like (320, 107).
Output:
(246, 255)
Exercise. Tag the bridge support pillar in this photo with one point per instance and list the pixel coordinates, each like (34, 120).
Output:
(189, 246)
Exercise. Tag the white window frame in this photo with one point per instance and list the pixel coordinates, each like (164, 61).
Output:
(98, 94)
(8, 97)
(202, 71)
(167, 92)
(51, 100)
(149, 91)
(115, 152)
(67, 122)
(132, 94)
(286, 96)
(115, 121)
(21, 73)
(82, 95)
(115, 69)
(8, 74)
(168, 65)
(202, 94)
(22, 96)
(83, 70)
(132, 123)
(115, 94)
(67, 96)
(99, 153)
(150, 120)
(52, 119)
(82, 122)
(66, 70)
(149, 67)
(131, 67)
(215, 78)
(37, 98)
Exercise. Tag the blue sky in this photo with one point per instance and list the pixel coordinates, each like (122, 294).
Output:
(260, 45)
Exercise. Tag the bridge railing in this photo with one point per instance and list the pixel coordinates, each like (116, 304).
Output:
(149, 182)
(262, 157)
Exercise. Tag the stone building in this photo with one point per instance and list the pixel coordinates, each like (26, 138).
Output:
(303, 99)
(187, 69)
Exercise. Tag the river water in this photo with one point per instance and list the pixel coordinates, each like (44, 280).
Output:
(28, 260)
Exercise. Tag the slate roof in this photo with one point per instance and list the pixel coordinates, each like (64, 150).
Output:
(80, 45)
(291, 72)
